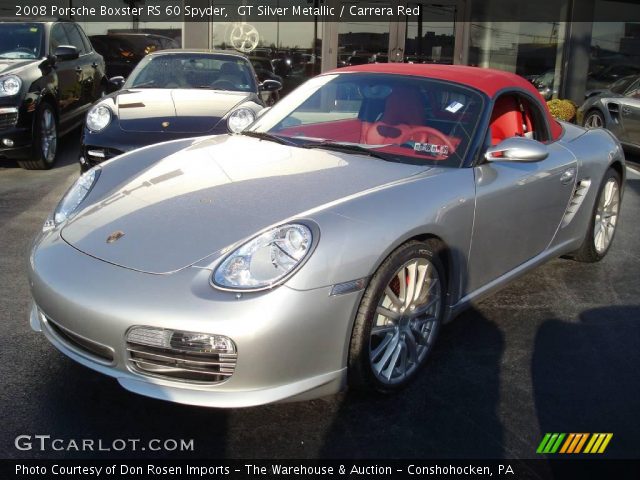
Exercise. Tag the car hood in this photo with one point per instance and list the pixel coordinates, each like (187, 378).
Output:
(14, 66)
(174, 110)
(222, 190)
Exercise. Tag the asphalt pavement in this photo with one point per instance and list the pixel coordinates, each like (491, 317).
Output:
(556, 351)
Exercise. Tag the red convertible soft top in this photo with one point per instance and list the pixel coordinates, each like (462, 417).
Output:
(487, 80)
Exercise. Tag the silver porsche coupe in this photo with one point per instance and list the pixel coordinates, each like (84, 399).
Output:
(325, 245)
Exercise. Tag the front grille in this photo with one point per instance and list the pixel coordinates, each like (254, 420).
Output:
(8, 118)
(180, 365)
(85, 345)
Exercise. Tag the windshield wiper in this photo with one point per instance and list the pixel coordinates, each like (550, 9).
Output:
(348, 148)
(269, 137)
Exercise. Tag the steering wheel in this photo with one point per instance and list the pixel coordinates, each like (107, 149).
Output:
(223, 85)
(433, 137)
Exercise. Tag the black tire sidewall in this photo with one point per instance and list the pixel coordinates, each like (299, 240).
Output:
(360, 374)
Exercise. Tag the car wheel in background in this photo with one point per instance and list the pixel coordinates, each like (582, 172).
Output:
(594, 119)
(604, 220)
(398, 319)
(45, 140)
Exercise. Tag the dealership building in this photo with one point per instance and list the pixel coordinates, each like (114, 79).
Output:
(569, 47)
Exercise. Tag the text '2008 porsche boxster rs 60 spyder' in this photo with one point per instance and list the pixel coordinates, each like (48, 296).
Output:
(324, 246)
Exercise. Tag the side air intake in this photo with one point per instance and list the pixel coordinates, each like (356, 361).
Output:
(579, 194)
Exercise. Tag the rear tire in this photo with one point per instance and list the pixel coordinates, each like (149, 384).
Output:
(45, 140)
(604, 220)
(388, 349)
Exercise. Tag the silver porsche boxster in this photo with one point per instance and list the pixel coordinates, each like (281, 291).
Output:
(324, 246)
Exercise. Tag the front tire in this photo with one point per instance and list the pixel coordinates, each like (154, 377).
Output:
(604, 220)
(398, 319)
(45, 140)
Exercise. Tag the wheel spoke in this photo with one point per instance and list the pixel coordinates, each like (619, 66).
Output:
(388, 313)
(388, 352)
(381, 329)
(402, 292)
(392, 363)
(393, 297)
(411, 284)
(422, 309)
(381, 347)
(422, 275)
(412, 347)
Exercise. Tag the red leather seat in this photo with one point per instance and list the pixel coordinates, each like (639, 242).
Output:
(404, 110)
(506, 120)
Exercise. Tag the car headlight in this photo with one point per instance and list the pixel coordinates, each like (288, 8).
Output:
(10, 85)
(98, 118)
(240, 119)
(266, 260)
(73, 198)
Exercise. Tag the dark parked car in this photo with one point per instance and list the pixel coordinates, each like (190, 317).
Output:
(123, 51)
(616, 108)
(174, 94)
(49, 77)
(265, 71)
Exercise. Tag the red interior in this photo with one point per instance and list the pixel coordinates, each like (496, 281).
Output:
(403, 120)
(487, 80)
(506, 120)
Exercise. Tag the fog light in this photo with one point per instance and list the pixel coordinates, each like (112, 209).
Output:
(191, 342)
(96, 153)
(7, 142)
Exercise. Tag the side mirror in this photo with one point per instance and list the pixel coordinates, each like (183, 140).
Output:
(66, 52)
(270, 86)
(517, 149)
(116, 83)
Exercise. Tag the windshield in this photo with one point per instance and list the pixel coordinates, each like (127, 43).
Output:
(185, 70)
(620, 86)
(20, 40)
(412, 119)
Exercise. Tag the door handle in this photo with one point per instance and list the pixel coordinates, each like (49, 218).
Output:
(626, 111)
(567, 176)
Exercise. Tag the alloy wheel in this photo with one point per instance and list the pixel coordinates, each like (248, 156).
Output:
(606, 215)
(405, 322)
(48, 137)
(594, 121)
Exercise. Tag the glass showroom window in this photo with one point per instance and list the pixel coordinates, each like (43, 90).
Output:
(615, 46)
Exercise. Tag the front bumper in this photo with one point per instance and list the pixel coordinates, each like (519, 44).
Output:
(15, 138)
(291, 345)
(99, 147)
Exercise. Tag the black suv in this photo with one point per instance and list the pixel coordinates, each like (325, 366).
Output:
(49, 77)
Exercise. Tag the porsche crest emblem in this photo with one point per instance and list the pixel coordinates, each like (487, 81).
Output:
(165, 124)
(115, 236)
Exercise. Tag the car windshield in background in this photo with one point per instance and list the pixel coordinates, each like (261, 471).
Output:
(412, 119)
(620, 86)
(216, 72)
(20, 40)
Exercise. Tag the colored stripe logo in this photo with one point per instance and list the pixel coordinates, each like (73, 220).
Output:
(574, 443)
